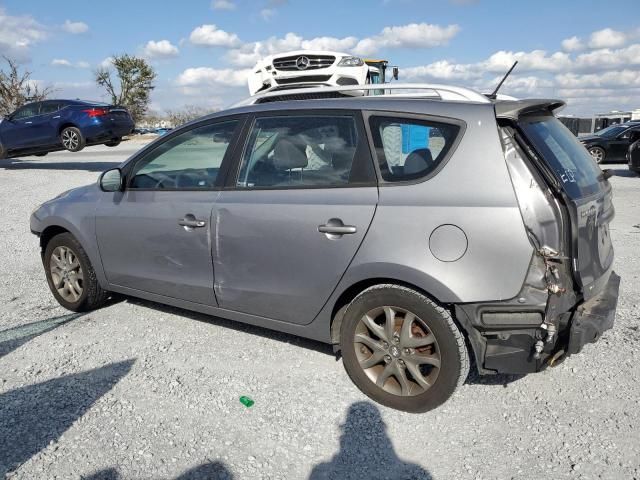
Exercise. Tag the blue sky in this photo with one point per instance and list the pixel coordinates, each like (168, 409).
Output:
(587, 52)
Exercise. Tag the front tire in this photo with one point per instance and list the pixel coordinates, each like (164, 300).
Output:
(113, 143)
(401, 349)
(3, 152)
(72, 139)
(70, 275)
(598, 154)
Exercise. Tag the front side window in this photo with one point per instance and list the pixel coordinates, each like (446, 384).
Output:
(26, 111)
(410, 149)
(190, 160)
(299, 151)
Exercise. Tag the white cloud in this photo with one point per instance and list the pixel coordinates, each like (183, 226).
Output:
(572, 44)
(413, 35)
(527, 61)
(75, 27)
(18, 34)
(63, 62)
(267, 14)
(199, 76)
(106, 63)
(212, 36)
(607, 38)
(160, 49)
(60, 62)
(223, 5)
(441, 70)
(330, 43)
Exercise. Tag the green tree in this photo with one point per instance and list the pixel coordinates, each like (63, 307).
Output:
(17, 88)
(136, 78)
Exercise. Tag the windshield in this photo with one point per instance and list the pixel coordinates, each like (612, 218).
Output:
(570, 161)
(611, 131)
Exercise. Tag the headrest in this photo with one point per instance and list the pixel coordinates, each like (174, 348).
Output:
(287, 155)
(418, 161)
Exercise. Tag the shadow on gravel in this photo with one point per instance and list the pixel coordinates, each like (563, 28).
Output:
(501, 379)
(15, 337)
(366, 451)
(206, 471)
(17, 164)
(238, 326)
(33, 416)
(620, 172)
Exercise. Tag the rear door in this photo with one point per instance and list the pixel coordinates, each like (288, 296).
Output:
(45, 125)
(156, 235)
(588, 197)
(294, 213)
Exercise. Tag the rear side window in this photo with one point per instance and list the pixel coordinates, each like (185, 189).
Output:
(409, 149)
(561, 150)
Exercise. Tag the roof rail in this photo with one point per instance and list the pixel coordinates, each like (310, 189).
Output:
(442, 92)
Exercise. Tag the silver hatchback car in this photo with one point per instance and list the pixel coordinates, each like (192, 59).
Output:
(413, 233)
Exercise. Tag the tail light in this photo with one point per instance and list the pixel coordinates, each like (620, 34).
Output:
(96, 112)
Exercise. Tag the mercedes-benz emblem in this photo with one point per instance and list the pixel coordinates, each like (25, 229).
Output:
(302, 63)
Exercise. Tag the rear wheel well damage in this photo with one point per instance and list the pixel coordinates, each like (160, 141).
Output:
(470, 334)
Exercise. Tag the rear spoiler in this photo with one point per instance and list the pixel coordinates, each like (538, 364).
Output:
(513, 109)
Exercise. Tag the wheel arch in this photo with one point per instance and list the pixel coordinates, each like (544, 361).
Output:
(64, 125)
(473, 343)
(352, 291)
(50, 232)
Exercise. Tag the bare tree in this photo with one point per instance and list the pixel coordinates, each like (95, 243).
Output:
(186, 114)
(136, 77)
(17, 88)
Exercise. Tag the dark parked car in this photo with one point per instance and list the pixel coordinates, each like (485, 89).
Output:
(633, 154)
(610, 144)
(42, 127)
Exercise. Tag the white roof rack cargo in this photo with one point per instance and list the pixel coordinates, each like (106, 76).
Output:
(441, 92)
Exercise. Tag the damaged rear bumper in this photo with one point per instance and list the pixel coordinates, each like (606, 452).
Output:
(592, 318)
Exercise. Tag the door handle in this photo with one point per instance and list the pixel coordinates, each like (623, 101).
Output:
(189, 222)
(335, 227)
(28, 123)
(57, 116)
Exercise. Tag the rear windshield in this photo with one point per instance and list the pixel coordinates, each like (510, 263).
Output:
(570, 161)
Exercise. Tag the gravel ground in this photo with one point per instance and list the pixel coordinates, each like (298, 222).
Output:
(139, 390)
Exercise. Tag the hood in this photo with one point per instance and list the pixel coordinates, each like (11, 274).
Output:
(589, 138)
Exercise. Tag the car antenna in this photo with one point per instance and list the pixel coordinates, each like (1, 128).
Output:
(494, 95)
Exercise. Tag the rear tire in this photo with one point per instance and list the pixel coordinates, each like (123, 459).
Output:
(72, 139)
(70, 275)
(113, 143)
(598, 154)
(413, 366)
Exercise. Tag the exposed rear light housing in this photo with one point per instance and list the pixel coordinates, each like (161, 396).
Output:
(96, 112)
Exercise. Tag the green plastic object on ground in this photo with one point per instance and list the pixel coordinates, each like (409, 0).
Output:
(246, 401)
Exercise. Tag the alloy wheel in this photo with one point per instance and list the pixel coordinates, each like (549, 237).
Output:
(66, 273)
(597, 154)
(70, 139)
(397, 351)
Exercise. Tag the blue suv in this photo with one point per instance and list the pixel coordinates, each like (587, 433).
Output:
(42, 127)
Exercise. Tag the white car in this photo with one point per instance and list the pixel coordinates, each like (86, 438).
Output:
(307, 67)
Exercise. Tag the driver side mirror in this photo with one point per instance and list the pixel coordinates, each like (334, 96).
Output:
(111, 180)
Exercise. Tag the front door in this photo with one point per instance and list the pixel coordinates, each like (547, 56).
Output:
(155, 236)
(293, 217)
(22, 131)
